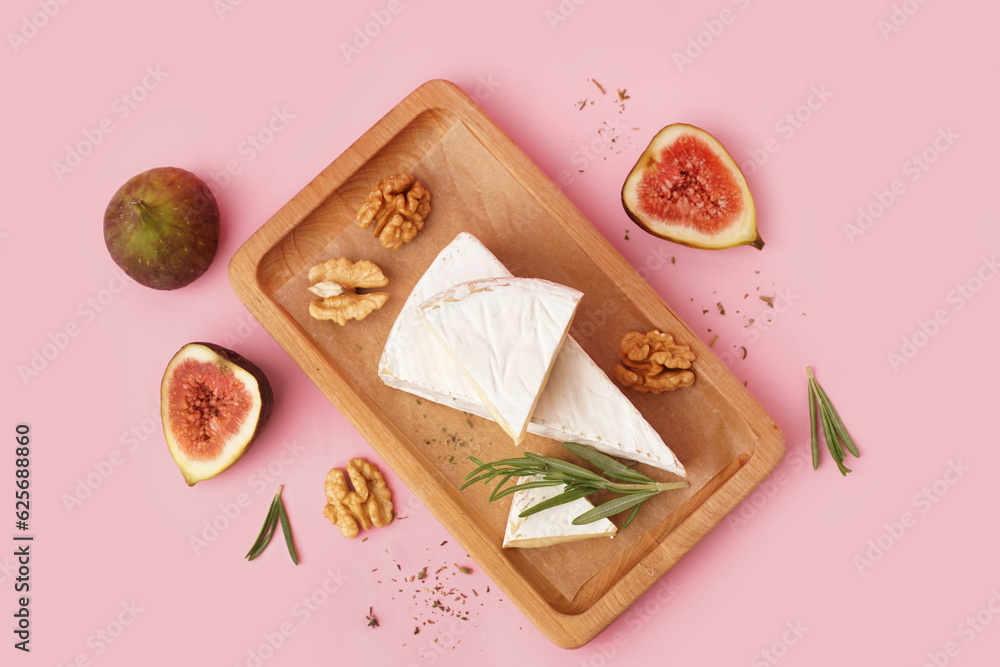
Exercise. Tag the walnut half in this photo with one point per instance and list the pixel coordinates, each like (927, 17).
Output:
(398, 206)
(653, 363)
(336, 281)
(370, 503)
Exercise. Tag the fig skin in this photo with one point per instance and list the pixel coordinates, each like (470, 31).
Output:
(722, 171)
(253, 380)
(162, 228)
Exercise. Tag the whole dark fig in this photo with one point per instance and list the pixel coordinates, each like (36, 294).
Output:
(162, 227)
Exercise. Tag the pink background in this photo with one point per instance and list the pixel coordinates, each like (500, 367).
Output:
(892, 565)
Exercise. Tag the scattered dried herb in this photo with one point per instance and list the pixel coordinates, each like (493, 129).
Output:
(769, 300)
(823, 415)
(599, 86)
(464, 570)
(722, 311)
(372, 621)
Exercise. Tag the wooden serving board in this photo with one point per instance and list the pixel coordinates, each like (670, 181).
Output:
(483, 184)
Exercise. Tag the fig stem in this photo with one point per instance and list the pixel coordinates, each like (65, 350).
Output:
(147, 215)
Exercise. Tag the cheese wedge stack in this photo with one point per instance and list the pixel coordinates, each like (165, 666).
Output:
(551, 526)
(504, 334)
(579, 402)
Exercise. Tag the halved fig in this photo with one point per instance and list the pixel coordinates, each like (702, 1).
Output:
(687, 188)
(214, 403)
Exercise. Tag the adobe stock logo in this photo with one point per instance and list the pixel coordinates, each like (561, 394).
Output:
(913, 169)
(898, 17)
(786, 127)
(223, 7)
(712, 30)
(968, 629)
(958, 297)
(562, 12)
(363, 35)
(778, 649)
(923, 501)
(253, 145)
(121, 108)
(31, 25)
(57, 341)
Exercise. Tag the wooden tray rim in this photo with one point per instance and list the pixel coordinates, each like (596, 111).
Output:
(565, 630)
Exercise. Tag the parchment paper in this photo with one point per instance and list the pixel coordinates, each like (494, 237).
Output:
(472, 191)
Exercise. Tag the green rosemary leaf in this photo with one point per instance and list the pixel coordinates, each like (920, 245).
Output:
(631, 516)
(523, 486)
(631, 487)
(258, 549)
(565, 466)
(833, 444)
(610, 466)
(612, 507)
(835, 419)
(486, 471)
(831, 438)
(561, 499)
(496, 490)
(267, 531)
(814, 437)
(834, 432)
(286, 529)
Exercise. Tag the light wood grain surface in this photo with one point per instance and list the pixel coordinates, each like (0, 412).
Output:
(484, 184)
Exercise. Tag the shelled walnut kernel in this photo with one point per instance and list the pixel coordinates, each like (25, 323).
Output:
(370, 503)
(335, 282)
(653, 363)
(398, 206)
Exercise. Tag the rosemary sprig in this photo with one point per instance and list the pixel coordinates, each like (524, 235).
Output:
(275, 514)
(632, 487)
(823, 416)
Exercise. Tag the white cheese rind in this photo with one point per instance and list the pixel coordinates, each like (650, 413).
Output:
(580, 403)
(505, 334)
(413, 359)
(551, 526)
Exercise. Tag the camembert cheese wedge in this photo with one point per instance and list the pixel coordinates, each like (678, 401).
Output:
(579, 403)
(551, 526)
(504, 333)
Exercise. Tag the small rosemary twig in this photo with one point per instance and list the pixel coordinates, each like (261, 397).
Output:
(823, 416)
(633, 488)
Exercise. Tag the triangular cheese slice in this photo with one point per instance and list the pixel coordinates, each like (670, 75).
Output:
(551, 526)
(580, 403)
(504, 333)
